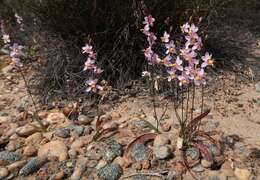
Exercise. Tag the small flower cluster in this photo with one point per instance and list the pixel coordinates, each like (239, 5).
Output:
(16, 53)
(19, 20)
(16, 50)
(5, 36)
(92, 83)
(182, 63)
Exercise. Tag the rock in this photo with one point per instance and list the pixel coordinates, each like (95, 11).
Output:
(192, 154)
(26, 130)
(206, 164)
(54, 148)
(257, 87)
(4, 119)
(110, 172)
(9, 157)
(12, 146)
(242, 174)
(88, 130)
(113, 150)
(146, 164)
(162, 152)
(33, 165)
(58, 176)
(79, 130)
(140, 152)
(79, 169)
(3, 172)
(16, 165)
(198, 168)
(229, 141)
(101, 164)
(34, 139)
(119, 160)
(56, 118)
(82, 119)
(115, 115)
(23, 104)
(166, 127)
(29, 150)
(226, 169)
(62, 132)
(161, 140)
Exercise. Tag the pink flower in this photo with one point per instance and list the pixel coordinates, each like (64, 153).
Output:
(149, 20)
(167, 61)
(183, 79)
(93, 86)
(199, 78)
(146, 74)
(172, 74)
(16, 61)
(87, 49)
(6, 38)
(97, 70)
(16, 50)
(170, 47)
(208, 61)
(188, 54)
(193, 29)
(165, 37)
(148, 52)
(177, 65)
(89, 64)
(198, 45)
(185, 28)
(151, 38)
(154, 59)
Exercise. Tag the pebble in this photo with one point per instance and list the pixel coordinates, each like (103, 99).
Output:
(59, 176)
(198, 168)
(110, 172)
(161, 140)
(83, 119)
(4, 119)
(192, 153)
(115, 115)
(34, 138)
(33, 165)
(3, 172)
(257, 87)
(16, 165)
(79, 130)
(120, 160)
(54, 148)
(9, 157)
(206, 164)
(242, 174)
(12, 146)
(162, 152)
(62, 132)
(23, 104)
(56, 118)
(166, 127)
(101, 164)
(140, 152)
(113, 150)
(29, 150)
(26, 130)
(79, 169)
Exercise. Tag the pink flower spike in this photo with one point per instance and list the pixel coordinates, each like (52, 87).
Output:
(87, 49)
(148, 52)
(165, 37)
(183, 79)
(199, 78)
(167, 61)
(92, 86)
(193, 29)
(179, 64)
(208, 61)
(172, 74)
(146, 74)
(6, 38)
(97, 70)
(185, 28)
(170, 47)
(89, 64)
(149, 20)
(151, 39)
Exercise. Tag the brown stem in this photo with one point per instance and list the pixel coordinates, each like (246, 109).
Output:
(193, 98)
(34, 104)
(187, 105)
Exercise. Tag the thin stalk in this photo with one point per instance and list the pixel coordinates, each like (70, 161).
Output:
(202, 98)
(187, 105)
(33, 102)
(193, 98)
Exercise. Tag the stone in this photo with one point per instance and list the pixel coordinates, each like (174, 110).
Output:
(110, 172)
(59, 176)
(54, 148)
(120, 160)
(229, 141)
(12, 146)
(115, 115)
(34, 139)
(26, 130)
(79, 130)
(3, 172)
(242, 174)
(62, 132)
(146, 164)
(198, 168)
(166, 127)
(226, 169)
(101, 164)
(82, 119)
(206, 164)
(16, 165)
(112, 151)
(9, 157)
(192, 153)
(23, 104)
(257, 87)
(56, 118)
(140, 152)
(79, 169)
(161, 140)
(29, 150)
(33, 165)
(4, 119)
(162, 152)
